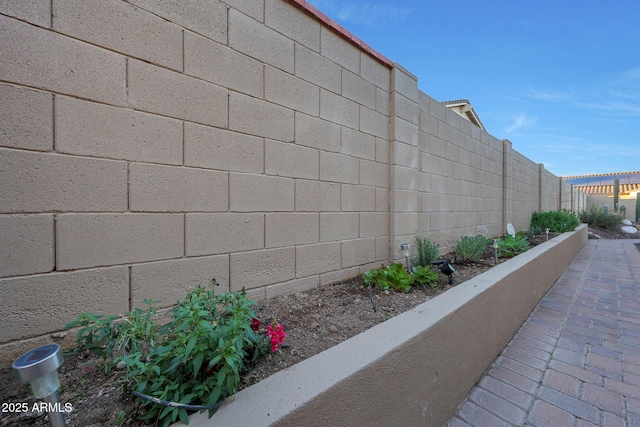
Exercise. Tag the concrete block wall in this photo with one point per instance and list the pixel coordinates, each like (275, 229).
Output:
(550, 196)
(580, 200)
(147, 146)
(238, 140)
(567, 196)
(461, 176)
(526, 190)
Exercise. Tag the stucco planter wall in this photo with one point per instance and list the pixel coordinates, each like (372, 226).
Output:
(413, 369)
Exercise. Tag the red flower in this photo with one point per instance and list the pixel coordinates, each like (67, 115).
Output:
(255, 324)
(276, 335)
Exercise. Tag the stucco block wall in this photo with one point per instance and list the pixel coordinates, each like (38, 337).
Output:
(148, 146)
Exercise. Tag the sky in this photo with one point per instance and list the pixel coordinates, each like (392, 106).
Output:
(559, 79)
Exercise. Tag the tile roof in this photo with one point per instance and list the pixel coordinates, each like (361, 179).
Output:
(603, 183)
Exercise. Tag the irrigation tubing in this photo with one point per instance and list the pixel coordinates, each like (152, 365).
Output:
(372, 302)
(177, 405)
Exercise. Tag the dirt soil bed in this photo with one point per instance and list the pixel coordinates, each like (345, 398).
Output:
(314, 320)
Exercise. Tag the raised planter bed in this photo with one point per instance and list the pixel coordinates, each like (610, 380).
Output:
(413, 369)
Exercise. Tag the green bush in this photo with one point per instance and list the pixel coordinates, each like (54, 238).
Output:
(471, 249)
(109, 336)
(597, 217)
(509, 247)
(427, 251)
(195, 359)
(425, 275)
(558, 221)
(534, 230)
(393, 276)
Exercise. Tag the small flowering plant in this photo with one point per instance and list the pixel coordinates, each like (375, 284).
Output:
(276, 335)
(195, 359)
(255, 324)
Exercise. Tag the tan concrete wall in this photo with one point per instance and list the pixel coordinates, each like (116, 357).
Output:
(461, 167)
(601, 200)
(416, 368)
(566, 196)
(526, 190)
(550, 199)
(155, 145)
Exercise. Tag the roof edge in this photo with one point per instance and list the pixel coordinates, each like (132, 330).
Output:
(472, 112)
(598, 174)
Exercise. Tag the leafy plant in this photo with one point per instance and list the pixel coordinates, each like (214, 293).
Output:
(425, 275)
(393, 276)
(374, 276)
(559, 221)
(471, 248)
(110, 336)
(427, 251)
(534, 230)
(195, 359)
(509, 247)
(598, 217)
(122, 419)
(97, 333)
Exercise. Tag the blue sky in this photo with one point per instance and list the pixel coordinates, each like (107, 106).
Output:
(559, 79)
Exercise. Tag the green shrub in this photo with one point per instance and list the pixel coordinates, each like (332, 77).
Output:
(471, 248)
(597, 217)
(534, 230)
(393, 276)
(425, 275)
(509, 247)
(558, 221)
(109, 336)
(427, 251)
(195, 359)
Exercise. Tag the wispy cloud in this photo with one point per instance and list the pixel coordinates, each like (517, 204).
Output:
(627, 77)
(588, 151)
(546, 95)
(618, 95)
(366, 13)
(612, 106)
(520, 121)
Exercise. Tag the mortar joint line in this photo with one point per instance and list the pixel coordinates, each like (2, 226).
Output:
(130, 289)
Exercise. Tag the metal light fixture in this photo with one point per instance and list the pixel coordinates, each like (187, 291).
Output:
(495, 251)
(404, 247)
(39, 367)
(446, 268)
(547, 232)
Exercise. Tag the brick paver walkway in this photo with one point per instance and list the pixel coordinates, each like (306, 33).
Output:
(576, 359)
